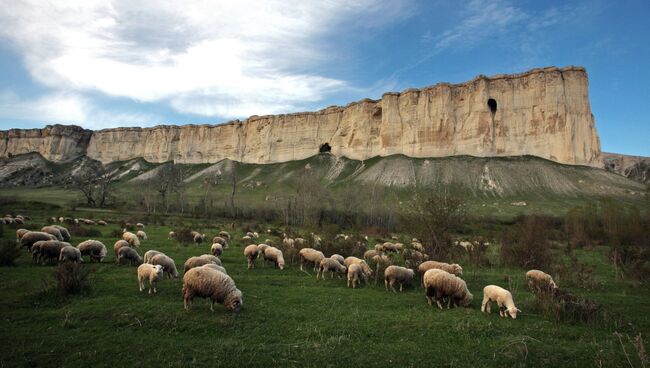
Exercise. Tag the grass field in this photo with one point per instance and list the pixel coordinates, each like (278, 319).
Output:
(291, 319)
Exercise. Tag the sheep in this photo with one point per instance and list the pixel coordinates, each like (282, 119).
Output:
(45, 250)
(310, 255)
(119, 244)
(70, 253)
(274, 255)
(369, 254)
(417, 246)
(20, 233)
(153, 273)
(337, 257)
(354, 260)
(54, 231)
(251, 252)
(205, 282)
(168, 264)
(397, 275)
(28, 239)
(340, 237)
(390, 247)
(102, 223)
(129, 254)
(215, 267)
(540, 280)
(287, 243)
(451, 268)
(140, 226)
(148, 255)
(440, 284)
(247, 240)
(61, 219)
(211, 258)
(130, 237)
(381, 260)
(216, 249)
(503, 297)
(262, 247)
(298, 242)
(331, 265)
(141, 235)
(93, 248)
(220, 240)
(196, 262)
(65, 234)
(198, 238)
(89, 222)
(252, 234)
(224, 234)
(355, 275)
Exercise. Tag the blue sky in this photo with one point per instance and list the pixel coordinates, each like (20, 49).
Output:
(103, 64)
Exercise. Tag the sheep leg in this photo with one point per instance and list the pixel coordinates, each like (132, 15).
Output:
(439, 305)
(141, 284)
(392, 286)
(386, 284)
(211, 305)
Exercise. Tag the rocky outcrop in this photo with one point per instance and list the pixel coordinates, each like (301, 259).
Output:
(543, 112)
(634, 167)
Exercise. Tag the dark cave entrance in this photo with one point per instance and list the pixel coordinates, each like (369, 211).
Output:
(325, 147)
(492, 104)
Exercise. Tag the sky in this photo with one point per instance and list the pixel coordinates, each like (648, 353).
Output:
(102, 64)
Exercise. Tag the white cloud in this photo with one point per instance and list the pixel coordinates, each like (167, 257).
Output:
(214, 58)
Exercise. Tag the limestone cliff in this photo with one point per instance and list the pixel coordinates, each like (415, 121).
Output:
(543, 112)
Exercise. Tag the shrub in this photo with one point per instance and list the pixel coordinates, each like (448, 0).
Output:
(477, 254)
(563, 306)
(80, 231)
(71, 278)
(184, 236)
(9, 252)
(526, 243)
(576, 274)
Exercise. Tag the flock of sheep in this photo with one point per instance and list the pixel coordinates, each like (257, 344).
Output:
(205, 277)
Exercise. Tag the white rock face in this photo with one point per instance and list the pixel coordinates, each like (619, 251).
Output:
(543, 112)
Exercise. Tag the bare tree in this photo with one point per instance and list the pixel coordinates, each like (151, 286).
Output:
(170, 179)
(234, 189)
(95, 182)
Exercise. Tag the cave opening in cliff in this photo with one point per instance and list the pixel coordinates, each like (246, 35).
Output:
(492, 103)
(325, 147)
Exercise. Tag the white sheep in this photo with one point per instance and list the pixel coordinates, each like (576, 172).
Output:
(130, 255)
(215, 267)
(539, 280)
(148, 255)
(216, 249)
(53, 231)
(153, 273)
(139, 226)
(141, 235)
(119, 244)
(65, 234)
(198, 238)
(45, 250)
(193, 262)
(20, 233)
(355, 275)
(102, 223)
(310, 255)
(171, 235)
(331, 265)
(503, 297)
(397, 275)
(93, 248)
(455, 268)
(339, 258)
(130, 237)
(274, 255)
(221, 240)
(354, 260)
(28, 239)
(71, 254)
(439, 284)
(251, 252)
(224, 234)
(168, 264)
(205, 282)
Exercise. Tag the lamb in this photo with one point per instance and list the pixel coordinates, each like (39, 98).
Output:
(274, 255)
(310, 255)
(251, 252)
(397, 275)
(70, 253)
(355, 275)
(45, 250)
(205, 282)
(220, 240)
(119, 244)
(540, 280)
(440, 284)
(93, 248)
(331, 265)
(337, 257)
(451, 268)
(503, 297)
(130, 237)
(20, 233)
(369, 254)
(215, 267)
(140, 226)
(102, 223)
(148, 255)
(130, 255)
(28, 239)
(197, 262)
(153, 273)
(64, 232)
(141, 235)
(224, 234)
(216, 249)
(53, 231)
(354, 260)
(168, 264)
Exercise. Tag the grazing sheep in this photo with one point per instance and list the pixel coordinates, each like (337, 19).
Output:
(45, 250)
(220, 240)
(337, 257)
(216, 249)
(428, 265)
(196, 262)
(381, 260)
(211, 258)
(298, 242)
(140, 226)
(198, 238)
(89, 222)
(168, 264)
(397, 275)
(20, 233)
(390, 247)
(287, 243)
(71, 254)
(102, 223)
(148, 255)
(417, 246)
(153, 273)
(215, 267)
(141, 235)
(130, 237)
(171, 235)
(64, 232)
(28, 239)
(369, 254)
(53, 231)
(252, 234)
(355, 275)
(93, 248)
(439, 284)
(61, 219)
(274, 255)
(251, 252)
(310, 255)
(262, 247)
(540, 280)
(340, 237)
(354, 260)
(119, 244)
(247, 240)
(331, 265)
(503, 297)
(130, 255)
(205, 282)
(224, 234)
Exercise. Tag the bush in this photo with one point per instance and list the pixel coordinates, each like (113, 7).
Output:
(71, 278)
(563, 306)
(184, 236)
(9, 252)
(80, 231)
(576, 274)
(526, 243)
(477, 254)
